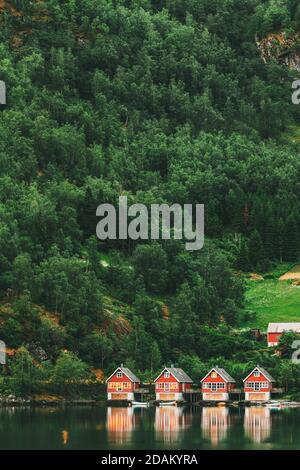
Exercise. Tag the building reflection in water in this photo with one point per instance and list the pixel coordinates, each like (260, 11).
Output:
(215, 422)
(257, 423)
(120, 423)
(171, 422)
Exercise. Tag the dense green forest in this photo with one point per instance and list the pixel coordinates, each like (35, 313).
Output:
(161, 101)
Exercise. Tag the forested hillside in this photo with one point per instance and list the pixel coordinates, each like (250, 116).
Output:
(161, 101)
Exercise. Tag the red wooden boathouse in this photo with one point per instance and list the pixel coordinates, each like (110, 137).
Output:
(258, 385)
(171, 384)
(122, 384)
(217, 384)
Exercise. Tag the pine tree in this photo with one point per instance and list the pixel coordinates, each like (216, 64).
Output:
(243, 262)
(290, 246)
(256, 250)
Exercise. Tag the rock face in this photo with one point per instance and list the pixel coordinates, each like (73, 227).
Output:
(282, 48)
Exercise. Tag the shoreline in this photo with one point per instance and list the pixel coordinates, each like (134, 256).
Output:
(9, 402)
(35, 403)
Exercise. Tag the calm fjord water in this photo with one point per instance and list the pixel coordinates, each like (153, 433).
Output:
(152, 428)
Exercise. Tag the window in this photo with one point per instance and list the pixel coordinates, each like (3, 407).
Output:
(117, 386)
(166, 386)
(119, 374)
(167, 375)
(257, 385)
(256, 373)
(214, 386)
(214, 375)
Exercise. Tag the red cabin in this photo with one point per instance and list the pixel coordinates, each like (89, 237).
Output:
(122, 384)
(276, 330)
(217, 385)
(258, 385)
(171, 384)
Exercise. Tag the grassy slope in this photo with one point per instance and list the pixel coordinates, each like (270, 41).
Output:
(273, 300)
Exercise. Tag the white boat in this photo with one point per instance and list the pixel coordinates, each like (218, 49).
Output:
(275, 405)
(167, 403)
(140, 403)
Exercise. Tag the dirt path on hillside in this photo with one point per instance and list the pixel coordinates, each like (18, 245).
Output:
(294, 273)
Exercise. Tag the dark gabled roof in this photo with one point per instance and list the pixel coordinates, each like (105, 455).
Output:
(129, 374)
(266, 373)
(126, 372)
(222, 373)
(178, 373)
(263, 372)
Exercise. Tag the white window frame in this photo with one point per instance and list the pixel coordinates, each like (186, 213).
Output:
(256, 373)
(166, 374)
(257, 386)
(119, 374)
(214, 386)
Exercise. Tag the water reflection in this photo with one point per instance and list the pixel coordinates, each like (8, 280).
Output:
(120, 423)
(257, 424)
(149, 428)
(215, 423)
(65, 437)
(171, 422)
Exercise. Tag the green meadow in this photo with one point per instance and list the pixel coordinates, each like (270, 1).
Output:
(272, 301)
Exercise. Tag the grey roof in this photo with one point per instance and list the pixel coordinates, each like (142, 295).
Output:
(179, 374)
(281, 327)
(129, 374)
(126, 372)
(224, 374)
(264, 372)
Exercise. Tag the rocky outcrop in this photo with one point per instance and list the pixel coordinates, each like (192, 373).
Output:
(282, 48)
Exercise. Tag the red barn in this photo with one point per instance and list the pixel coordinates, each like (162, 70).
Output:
(276, 330)
(122, 384)
(171, 384)
(217, 384)
(258, 385)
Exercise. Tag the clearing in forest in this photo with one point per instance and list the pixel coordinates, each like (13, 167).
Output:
(293, 273)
